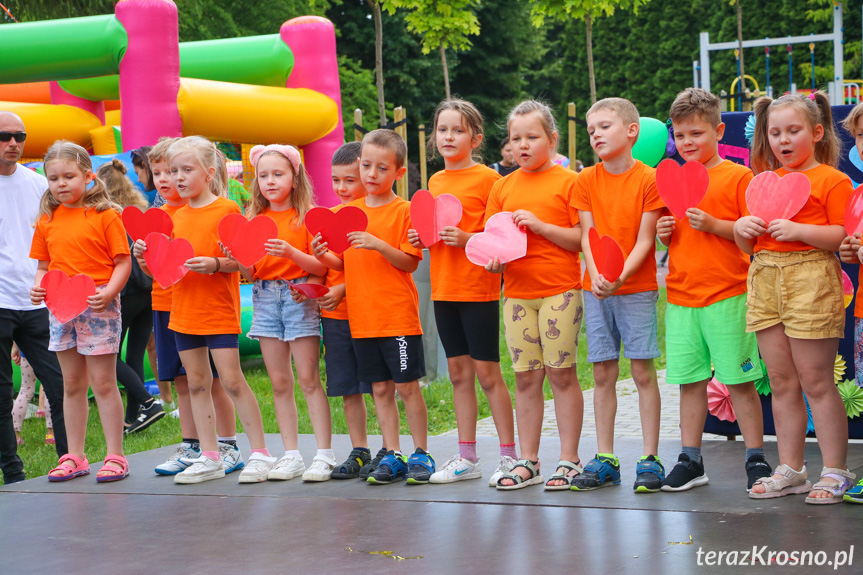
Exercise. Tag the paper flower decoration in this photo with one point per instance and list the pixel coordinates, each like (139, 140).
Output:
(847, 289)
(670, 146)
(838, 368)
(762, 385)
(810, 425)
(852, 397)
(749, 129)
(719, 401)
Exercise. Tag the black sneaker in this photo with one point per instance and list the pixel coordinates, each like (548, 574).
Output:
(649, 474)
(756, 468)
(352, 466)
(373, 464)
(685, 475)
(146, 417)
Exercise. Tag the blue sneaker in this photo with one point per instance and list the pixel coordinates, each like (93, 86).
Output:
(179, 460)
(649, 473)
(420, 467)
(601, 471)
(392, 467)
(855, 494)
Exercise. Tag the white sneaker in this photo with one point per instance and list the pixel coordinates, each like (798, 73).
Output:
(257, 469)
(181, 459)
(287, 467)
(457, 468)
(202, 469)
(230, 456)
(321, 469)
(504, 464)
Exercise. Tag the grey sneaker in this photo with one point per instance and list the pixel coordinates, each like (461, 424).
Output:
(230, 457)
(181, 459)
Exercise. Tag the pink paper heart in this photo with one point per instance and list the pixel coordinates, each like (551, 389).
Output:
(166, 258)
(854, 212)
(770, 197)
(681, 187)
(430, 215)
(66, 297)
(502, 239)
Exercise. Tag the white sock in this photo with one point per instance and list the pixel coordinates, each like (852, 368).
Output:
(327, 453)
(229, 438)
(293, 453)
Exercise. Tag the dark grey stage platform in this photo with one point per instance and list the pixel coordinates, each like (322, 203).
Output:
(147, 524)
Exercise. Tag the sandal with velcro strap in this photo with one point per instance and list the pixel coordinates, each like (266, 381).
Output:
(837, 491)
(520, 482)
(567, 476)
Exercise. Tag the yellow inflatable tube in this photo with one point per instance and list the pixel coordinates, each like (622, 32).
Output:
(245, 113)
(46, 123)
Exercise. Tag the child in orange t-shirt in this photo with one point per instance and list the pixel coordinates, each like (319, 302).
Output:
(466, 298)
(205, 311)
(619, 198)
(79, 231)
(796, 305)
(383, 308)
(542, 306)
(705, 322)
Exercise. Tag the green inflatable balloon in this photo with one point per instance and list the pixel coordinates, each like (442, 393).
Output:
(652, 138)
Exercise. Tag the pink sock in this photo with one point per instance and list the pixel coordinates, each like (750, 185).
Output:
(263, 451)
(508, 449)
(467, 449)
(214, 455)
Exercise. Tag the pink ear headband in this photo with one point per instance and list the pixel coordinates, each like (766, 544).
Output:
(290, 152)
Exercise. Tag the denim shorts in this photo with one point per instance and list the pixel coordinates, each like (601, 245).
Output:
(90, 333)
(630, 318)
(278, 316)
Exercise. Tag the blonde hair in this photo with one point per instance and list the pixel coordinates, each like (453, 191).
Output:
(815, 111)
(207, 156)
(696, 103)
(620, 106)
(302, 194)
(471, 119)
(388, 140)
(853, 117)
(95, 197)
(546, 118)
(159, 152)
(120, 188)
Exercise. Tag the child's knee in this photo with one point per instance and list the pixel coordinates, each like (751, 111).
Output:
(408, 392)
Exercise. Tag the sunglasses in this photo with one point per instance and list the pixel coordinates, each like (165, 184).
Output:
(19, 136)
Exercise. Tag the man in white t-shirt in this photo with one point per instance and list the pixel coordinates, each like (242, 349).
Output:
(21, 191)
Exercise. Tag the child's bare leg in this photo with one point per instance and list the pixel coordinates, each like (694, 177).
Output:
(200, 383)
(750, 418)
(103, 381)
(463, 377)
(569, 411)
(227, 361)
(499, 400)
(306, 353)
(384, 393)
(357, 419)
(226, 413)
(605, 375)
(693, 412)
(281, 376)
(649, 402)
(416, 412)
(184, 404)
(75, 404)
(529, 408)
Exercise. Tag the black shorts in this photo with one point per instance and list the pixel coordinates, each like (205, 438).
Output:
(167, 358)
(400, 359)
(469, 328)
(341, 360)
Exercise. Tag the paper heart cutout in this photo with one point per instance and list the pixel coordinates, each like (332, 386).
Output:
(66, 297)
(681, 187)
(430, 215)
(334, 227)
(854, 212)
(770, 197)
(166, 258)
(607, 255)
(139, 224)
(311, 291)
(246, 238)
(502, 239)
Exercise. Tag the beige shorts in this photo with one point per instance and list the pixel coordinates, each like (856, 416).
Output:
(543, 331)
(800, 290)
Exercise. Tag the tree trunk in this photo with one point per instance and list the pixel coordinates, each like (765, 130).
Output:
(740, 44)
(379, 61)
(445, 70)
(589, 21)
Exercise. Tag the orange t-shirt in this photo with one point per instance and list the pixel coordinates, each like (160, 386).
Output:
(382, 299)
(205, 304)
(293, 232)
(80, 241)
(162, 296)
(453, 276)
(335, 278)
(617, 202)
(705, 268)
(547, 269)
(825, 206)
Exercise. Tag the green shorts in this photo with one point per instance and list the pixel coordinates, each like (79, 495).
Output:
(696, 337)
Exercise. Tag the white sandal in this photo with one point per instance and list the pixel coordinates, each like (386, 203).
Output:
(791, 483)
(845, 479)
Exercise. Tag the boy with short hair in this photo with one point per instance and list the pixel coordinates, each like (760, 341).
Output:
(706, 315)
(619, 198)
(383, 307)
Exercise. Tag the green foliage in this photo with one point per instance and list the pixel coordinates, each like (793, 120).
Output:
(358, 91)
(440, 23)
(578, 9)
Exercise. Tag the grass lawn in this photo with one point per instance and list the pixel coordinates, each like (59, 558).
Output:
(40, 458)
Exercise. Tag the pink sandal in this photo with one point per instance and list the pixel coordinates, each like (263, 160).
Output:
(115, 473)
(80, 467)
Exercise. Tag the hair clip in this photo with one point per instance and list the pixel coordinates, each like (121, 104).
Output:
(811, 96)
(77, 158)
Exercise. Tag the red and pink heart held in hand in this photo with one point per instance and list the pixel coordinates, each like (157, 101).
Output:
(502, 239)
(430, 215)
(771, 197)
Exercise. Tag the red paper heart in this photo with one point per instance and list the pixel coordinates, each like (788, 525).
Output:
(166, 258)
(246, 238)
(66, 297)
(430, 215)
(334, 227)
(139, 224)
(854, 212)
(607, 255)
(681, 187)
(770, 197)
(312, 291)
(502, 239)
